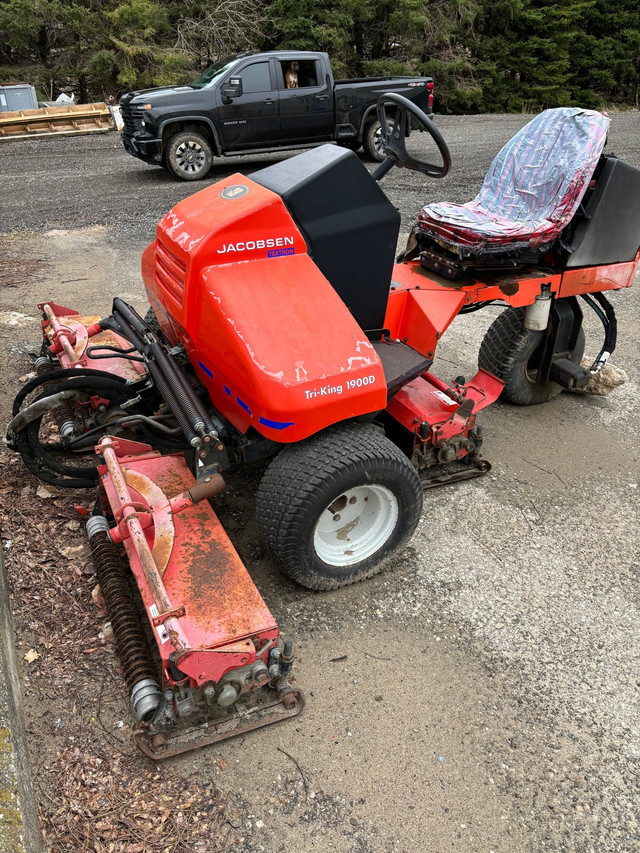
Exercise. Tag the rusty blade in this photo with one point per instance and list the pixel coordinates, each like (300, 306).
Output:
(212, 732)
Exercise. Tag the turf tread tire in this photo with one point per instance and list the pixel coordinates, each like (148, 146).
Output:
(505, 352)
(289, 497)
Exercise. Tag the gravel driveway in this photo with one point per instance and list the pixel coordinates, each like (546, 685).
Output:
(481, 694)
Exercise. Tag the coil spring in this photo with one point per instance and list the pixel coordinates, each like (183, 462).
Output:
(65, 413)
(129, 638)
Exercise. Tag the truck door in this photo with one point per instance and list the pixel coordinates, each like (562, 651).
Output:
(249, 119)
(306, 101)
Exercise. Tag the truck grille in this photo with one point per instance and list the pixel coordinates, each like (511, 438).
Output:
(170, 272)
(127, 118)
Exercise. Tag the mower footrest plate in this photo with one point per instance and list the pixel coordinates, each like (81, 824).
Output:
(401, 363)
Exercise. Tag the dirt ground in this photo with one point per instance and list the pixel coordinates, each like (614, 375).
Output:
(480, 694)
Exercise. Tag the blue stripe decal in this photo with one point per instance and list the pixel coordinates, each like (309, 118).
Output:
(206, 369)
(274, 424)
(227, 390)
(244, 405)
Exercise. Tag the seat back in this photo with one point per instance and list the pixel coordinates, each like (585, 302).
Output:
(609, 232)
(543, 172)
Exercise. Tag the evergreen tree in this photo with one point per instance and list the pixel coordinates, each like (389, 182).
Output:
(311, 25)
(484, 55)
(605, 57)
(47, 41)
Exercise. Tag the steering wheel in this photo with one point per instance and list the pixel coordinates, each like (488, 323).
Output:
(394, 134)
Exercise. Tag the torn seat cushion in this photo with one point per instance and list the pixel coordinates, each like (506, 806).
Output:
(532, 190)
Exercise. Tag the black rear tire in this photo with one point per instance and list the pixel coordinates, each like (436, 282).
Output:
(332, 508)
(512, 353)
(188, 156)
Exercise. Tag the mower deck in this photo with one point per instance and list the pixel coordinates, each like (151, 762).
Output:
(216, 603)
(212, 629)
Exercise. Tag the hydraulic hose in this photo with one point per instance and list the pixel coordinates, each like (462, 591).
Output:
(607, 316)
(54, 375)
(128, 326)
(86, 440)
(46, 402)
(24, 429)
(188, 398)
(172, 383)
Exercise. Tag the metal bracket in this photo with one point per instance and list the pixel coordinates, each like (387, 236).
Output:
(562, 334)
(161, 618)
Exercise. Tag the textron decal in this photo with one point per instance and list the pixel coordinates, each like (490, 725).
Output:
(279, 253)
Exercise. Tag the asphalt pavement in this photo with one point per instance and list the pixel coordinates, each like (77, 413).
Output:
(510, 715)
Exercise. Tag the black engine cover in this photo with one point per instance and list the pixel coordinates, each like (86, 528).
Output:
(350, 226)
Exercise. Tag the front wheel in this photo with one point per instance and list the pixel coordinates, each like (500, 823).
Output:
(332, 508)
(513, 354)
(188, 156)
(373, 143)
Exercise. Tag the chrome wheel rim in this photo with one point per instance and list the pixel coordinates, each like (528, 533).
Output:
(190, 157)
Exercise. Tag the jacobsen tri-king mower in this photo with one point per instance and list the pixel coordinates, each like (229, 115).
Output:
(280, 327)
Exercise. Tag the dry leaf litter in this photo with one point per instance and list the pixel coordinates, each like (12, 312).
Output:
(96, 792)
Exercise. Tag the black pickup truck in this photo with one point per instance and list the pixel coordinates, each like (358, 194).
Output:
(260, 102)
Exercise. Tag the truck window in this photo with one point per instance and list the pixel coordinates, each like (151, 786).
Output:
(256, 78)
(299, 74)
(214, 72)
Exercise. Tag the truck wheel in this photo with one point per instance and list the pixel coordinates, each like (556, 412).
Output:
(512, 353)
(373, 143)
(332, 508)
(188, 156)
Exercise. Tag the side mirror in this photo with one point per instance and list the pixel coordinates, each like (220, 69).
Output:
(231, 90)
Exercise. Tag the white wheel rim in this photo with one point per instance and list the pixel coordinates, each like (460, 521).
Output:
(355, 525)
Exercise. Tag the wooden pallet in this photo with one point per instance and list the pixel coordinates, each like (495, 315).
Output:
(65, 120)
